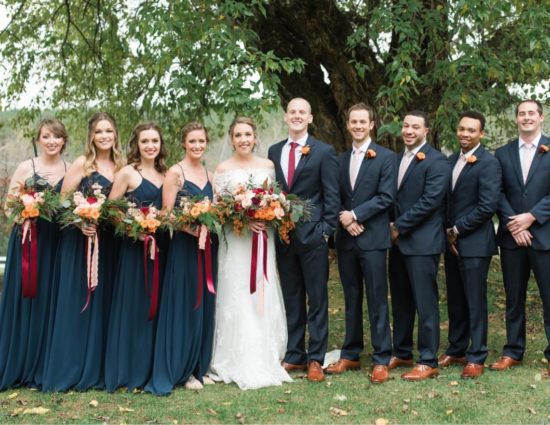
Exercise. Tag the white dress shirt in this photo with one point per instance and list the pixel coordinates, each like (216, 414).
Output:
(298, 153)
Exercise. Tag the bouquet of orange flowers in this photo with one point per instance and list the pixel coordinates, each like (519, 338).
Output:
(195, 211)
(28, 203)
(267, 203)
(80, 208)
(132, 221)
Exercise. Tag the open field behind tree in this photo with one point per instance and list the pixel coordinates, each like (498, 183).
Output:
(517, 396)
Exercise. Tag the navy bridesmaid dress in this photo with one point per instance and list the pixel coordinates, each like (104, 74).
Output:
(183, 345)
(131, 335)
(23, 321)
(76, 338)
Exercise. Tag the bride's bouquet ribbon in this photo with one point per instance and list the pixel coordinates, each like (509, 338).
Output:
(204, 258)
(29, 259)
(92, 266)
(150, 251)
(257, 238)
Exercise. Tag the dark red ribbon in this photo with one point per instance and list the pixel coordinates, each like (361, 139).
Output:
(254, 259)
(90, 268)
(29, 260)
(154, 292)
(206, 261)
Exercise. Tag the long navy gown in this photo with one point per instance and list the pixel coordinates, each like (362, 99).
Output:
(131, 335)
(76, 338)
(183, 345)
(23, 320)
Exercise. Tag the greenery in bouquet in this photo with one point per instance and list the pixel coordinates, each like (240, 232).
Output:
(29, 203)
(132, 221)
(79, 208)
(195, 211)
(267, 203)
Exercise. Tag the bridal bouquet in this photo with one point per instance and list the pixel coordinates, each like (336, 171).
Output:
(24, 208)
(267, 203)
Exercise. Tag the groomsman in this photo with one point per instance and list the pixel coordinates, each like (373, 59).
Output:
(308, 168)
(472, 201)
(419, 237)
(524, 230)
(367, 187)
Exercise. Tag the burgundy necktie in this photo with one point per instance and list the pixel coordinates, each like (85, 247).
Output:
(291, 163)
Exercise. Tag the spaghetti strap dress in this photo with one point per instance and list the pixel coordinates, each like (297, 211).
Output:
(131, 334)
(76, 337)
(183, 345)
(23, 320)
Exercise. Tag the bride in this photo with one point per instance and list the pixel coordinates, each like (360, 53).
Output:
(250, 332)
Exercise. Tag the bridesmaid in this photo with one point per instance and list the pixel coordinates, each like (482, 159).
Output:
(23, 319)
(183, 344)
(130, 339)
(76, 338)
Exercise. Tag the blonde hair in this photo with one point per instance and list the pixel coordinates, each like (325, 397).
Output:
(90, 164)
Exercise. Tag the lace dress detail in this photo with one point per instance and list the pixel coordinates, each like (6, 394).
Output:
(250, 334)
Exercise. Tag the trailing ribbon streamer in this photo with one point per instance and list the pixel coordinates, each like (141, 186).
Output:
(29, 260)
(205, 260)
(92, 265)
(254, 259)
(150, 246)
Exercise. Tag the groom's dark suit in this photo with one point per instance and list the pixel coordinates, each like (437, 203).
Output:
(517, 262)
(303, 265)
(471, 205)
(363, 258)
(413, 263)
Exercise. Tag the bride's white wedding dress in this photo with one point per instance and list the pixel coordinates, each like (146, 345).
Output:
(250, 334)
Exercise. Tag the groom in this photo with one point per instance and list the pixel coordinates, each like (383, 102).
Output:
(307, 168)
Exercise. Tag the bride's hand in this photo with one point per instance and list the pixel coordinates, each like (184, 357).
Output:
(192, 230)
(256, 226)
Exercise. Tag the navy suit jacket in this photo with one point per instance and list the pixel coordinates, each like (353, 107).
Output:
(419, 203)
(473, 202)
(532, 196)
(370, 200)
(316, 179)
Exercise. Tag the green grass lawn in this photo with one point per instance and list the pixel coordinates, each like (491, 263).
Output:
(521, 395)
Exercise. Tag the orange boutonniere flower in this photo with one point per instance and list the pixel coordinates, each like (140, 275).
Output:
(306, 150)
(471, 159)
(420, 156)
(370, 154)
(543, 148)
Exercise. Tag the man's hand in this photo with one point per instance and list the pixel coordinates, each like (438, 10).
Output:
(346, 218)
(520, 222)
(355, 229)
(452, 238)
(523, 238)
(394, 232)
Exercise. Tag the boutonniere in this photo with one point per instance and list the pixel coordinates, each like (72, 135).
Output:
(306, 150)
(420, 156)
(543, 148)
(370, 154)
(471, 159)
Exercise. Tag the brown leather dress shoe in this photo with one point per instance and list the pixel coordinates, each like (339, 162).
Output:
(315, 372)
(445, 360)
(343, 365)
(504, 363)
(472, 370)
(397, 362)
(289, 367)
(420, 372)
(380, 373)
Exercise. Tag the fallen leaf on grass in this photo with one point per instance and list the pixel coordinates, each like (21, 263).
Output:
(281, 401)
(432, 394)
(381, 421)
(16, 412)
(124, 409)
(240, 418)
(12, 395)
(449, 412)
(340, 397)
(454, 384)
(406, 400)
(36, 411)
(405, 408)
(532, 411)
(226, 403)
(212, 412)
(22, 402)
(93, 403)
(538, 377)
(281, 410)
(414, 412)
(544, 360)
(336, 411)
(533, 386)
(288, 392)
(455, 392)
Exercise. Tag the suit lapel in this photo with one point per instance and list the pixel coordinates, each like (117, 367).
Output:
(413, 163)
(536, 161)
(345, 170)
(304, 159)
(365, 163)
(478, 153)
(279, 175)
(513, 150)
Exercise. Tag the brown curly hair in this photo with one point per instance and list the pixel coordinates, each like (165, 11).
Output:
(192, 126)
(56, 127)
(134, 158)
